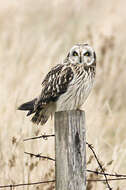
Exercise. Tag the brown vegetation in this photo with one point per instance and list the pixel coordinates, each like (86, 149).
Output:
(34, 36)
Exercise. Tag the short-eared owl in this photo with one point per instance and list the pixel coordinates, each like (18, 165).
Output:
(66, 86)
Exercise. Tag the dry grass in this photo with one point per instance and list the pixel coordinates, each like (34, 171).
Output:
(34, 36)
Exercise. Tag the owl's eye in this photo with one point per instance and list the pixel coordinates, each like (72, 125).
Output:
(75, 53)
(87, 54)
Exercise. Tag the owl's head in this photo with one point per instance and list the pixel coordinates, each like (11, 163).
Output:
(82, 54)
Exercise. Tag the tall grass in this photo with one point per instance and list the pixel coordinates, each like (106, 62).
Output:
(36, 35)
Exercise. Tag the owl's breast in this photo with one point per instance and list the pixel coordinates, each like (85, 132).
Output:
(83, 88)
(76, 94)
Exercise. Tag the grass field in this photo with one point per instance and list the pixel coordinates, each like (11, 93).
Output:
(36, 35)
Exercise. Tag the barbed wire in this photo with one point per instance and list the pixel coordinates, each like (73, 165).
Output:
(45, 137)
(104, 180)
(92, 149)
(90, 171)
(52, 181)
(112, 175)
(39, 156)
(26, 184)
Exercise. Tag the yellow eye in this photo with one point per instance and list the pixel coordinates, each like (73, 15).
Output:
(87, 54)
(75, 53)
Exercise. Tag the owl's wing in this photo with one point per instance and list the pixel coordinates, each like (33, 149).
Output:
(55, 83)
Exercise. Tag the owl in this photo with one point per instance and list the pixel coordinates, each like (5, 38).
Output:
(66, 86)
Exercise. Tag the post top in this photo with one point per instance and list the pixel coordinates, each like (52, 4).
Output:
(71, 111)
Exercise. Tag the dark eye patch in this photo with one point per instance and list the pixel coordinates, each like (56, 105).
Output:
(87, 54)
(75, 53)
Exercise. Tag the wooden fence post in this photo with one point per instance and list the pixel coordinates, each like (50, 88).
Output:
(70, 150)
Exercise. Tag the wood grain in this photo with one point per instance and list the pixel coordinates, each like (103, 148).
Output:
(70, 147)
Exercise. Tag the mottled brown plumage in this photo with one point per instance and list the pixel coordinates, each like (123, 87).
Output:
(66, 86)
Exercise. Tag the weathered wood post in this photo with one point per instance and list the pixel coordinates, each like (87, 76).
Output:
(70, 148)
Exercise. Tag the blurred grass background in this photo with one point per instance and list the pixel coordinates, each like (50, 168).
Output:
(36, 35)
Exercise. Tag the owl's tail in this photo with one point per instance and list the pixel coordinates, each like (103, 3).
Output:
(41, 113)
(28, 106)
(40, 116)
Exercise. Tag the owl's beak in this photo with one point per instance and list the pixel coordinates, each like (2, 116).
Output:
(80, 59)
